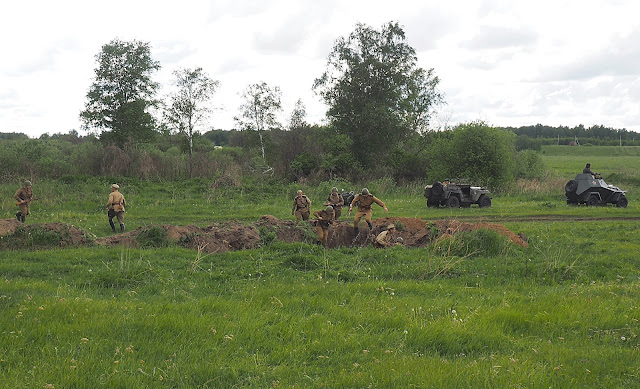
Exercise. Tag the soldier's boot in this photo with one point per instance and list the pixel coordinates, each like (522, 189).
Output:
(112, 224)
(19, 215)
(22, 218)
(355, 234)
(370, 226)
(121, 227)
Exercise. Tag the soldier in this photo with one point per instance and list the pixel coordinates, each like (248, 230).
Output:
(587, 170)
(301, 207)
(24, 196)
(385, 238)
(364, 200)
(336, 201)
(325, 218)
(115, 205)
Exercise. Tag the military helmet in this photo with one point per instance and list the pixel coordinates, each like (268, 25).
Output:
(399, 240)
(329, 209)
(115, 186)
(27, 183)
(334, 189)
(365, 191)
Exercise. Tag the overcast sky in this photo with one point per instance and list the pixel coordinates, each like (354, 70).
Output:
(509, 63)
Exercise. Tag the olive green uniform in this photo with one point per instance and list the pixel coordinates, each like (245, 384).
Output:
(324, 221)
(24, 196)
(336, 201)
(301, 208)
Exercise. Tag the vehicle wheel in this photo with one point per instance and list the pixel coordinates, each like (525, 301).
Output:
(571, 186)
(593, 201)
(436, 189)
(453, 202)
(622, 202)
(484, 201)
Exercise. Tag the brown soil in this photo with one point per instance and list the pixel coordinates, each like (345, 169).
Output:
(233, 235)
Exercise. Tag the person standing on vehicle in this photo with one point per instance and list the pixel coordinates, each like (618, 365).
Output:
(115, 205)
(336, 200)
(24, 197)
(301, 207)
(325, 218)
(587, 170)
(364, 200)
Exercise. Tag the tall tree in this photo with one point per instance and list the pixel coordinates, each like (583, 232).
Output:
(298, 116)
(122, 92)
(259, 110)
(188, 107)
(376, 93)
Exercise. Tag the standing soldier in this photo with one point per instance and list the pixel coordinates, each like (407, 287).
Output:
(336, 201)
(24, 196)
(115, 205)
(364, 200)
(325, 217)
(301, 207)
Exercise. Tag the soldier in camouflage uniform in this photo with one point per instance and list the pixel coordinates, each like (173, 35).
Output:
(115, 205)
(336, 201)
(24, 196)
(325, 218)
(301, 207)
(365, 200)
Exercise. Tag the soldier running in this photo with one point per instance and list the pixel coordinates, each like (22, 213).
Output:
(301, 207)
(364, 200)
(24, 196)
(325, 218)
(336, 201)
(115, 205)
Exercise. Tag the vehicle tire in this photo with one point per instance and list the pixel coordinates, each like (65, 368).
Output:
(593, 201)
(453, 202)
(622, 202)
(571, 186)
(484, 201)
(437, 189)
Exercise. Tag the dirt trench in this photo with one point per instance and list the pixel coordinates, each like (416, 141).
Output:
(234, 235)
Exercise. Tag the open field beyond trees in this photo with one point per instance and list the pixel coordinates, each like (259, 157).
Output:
(474, 310)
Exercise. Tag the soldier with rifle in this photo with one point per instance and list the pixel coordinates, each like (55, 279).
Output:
(301, 207)
(364, 200)
(325, 218)
(24, 197)
(335, 200)
(115, 206)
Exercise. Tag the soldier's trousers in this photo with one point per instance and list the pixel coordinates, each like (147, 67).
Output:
(304, 214)
(367, 216)
(323, 235)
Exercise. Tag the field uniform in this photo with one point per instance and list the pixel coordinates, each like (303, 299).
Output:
(325, 217)
(386, 238)
(301, 208)
(24, 196)
(365, 200)
(115, 205)
(336, 201)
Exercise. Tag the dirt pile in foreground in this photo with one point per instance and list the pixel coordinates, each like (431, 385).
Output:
(234, 235)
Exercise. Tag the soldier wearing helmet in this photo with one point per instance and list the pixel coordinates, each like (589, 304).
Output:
(335, 200)
(115, 206)
(325, 218)
(385, 238)
(364, 200)
(24, 196)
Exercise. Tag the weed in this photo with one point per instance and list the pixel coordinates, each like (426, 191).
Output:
(153, 236)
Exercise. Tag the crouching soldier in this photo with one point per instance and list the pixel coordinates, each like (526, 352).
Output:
(386, 238)
(325, 218)
(115, 205)
(364, 200)
(24, 197)
(301, 207)
(336, 201)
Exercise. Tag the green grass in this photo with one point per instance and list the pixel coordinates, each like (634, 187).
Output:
(472, 312)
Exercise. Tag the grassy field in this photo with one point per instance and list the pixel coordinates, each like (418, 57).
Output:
(478, 312)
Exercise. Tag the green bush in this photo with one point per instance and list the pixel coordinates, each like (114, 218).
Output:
(153, 236)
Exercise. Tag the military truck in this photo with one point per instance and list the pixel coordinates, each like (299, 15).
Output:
(592, 190)
(456, 193)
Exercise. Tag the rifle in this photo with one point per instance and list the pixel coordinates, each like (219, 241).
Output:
(26, 201)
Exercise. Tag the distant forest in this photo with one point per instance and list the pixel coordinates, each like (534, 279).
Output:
(533, 137)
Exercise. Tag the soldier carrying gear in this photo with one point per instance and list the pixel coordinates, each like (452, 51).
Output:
(587, 170)
(115, 205)
(24, 196)
(364, 200)
(301, 207)
(325, 218)
(335, 200)
(385, 237)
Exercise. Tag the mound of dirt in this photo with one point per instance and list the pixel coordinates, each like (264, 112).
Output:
(42, 235)
(234, 235)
